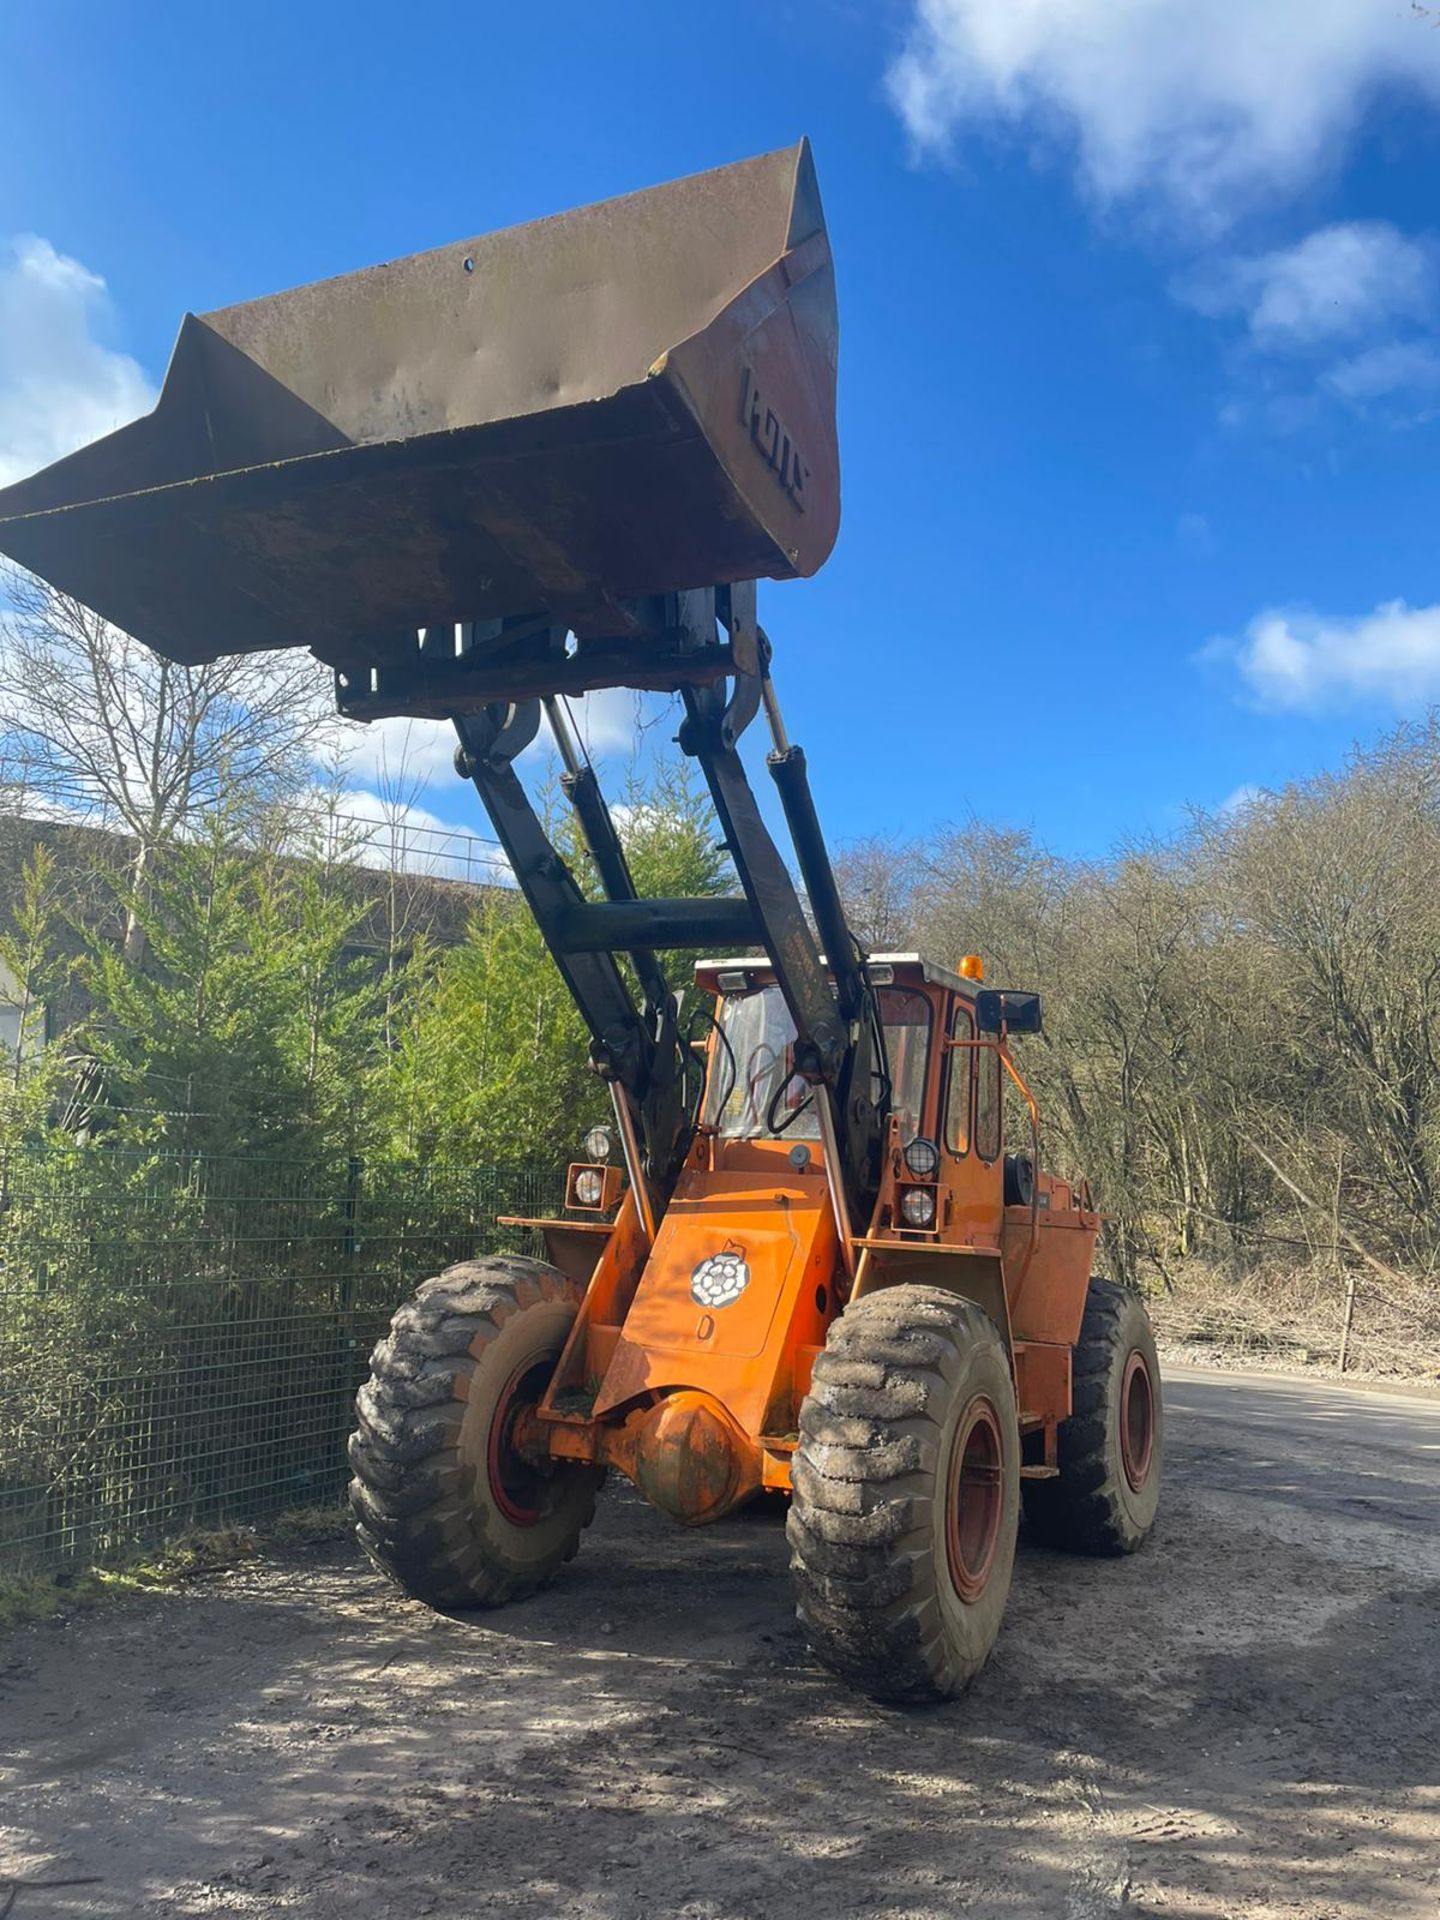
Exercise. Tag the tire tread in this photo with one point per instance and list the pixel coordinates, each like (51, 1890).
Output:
(409, 1493)
(1086, 1508)
(860, 1523)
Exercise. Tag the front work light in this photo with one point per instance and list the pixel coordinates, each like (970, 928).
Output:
(917, 1207)
(597, 1143)
(922, 1158)
(593, 1189)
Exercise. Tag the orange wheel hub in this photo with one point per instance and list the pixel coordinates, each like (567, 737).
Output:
(516, 1486)
(1137, 1420)
(974, 1497)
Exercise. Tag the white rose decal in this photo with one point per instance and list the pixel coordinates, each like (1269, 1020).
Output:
(720, 1280)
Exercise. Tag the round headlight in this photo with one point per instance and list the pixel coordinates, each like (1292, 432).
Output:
(597, 1143)
(917, 1206)
(589, 1187)
(922, 1157)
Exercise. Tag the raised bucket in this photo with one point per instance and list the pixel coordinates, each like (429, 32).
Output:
(629, 399)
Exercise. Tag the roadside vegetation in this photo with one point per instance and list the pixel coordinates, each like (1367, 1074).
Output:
(226, 972)
(1242, 1044)
(29, 1597)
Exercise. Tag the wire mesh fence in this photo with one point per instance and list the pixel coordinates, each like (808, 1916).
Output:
(181, 1335)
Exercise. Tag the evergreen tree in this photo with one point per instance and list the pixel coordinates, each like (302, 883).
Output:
(245, 1030)
(30, 972)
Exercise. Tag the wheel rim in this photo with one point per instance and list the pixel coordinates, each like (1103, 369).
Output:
(976, 1498)
(516, 1485)
(1137, 1420)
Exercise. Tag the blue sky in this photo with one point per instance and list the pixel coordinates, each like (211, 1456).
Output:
(1140, 382)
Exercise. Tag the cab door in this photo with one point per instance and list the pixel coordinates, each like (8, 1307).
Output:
(972, 1133)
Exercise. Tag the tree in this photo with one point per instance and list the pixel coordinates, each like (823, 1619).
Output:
(879, 883)
(30, 968)
(102, 724)
(1333, 883)
(248, 1030)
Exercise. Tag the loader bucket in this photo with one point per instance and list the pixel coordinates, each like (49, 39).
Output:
(632, 398)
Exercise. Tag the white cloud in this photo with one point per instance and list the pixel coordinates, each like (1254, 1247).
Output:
(1241, 800)
(608, 722)
(60, 385)
(358, 807)
(396, 755)
(1306, 662)
(1204, 108)
(1340, 283)
(1346, 314)
(405, 756)
(1398, 367)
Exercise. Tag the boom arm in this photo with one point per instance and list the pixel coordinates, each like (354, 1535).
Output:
(637, 1046)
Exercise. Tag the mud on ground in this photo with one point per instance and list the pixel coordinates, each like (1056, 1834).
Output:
(1242, 1722)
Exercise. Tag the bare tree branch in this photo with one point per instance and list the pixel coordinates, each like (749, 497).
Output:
(105, 725)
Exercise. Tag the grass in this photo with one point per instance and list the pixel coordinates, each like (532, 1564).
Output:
(25, 1597)
(1292, 1315)
(28, 1597)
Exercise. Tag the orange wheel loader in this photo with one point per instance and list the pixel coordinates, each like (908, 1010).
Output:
(534, 464)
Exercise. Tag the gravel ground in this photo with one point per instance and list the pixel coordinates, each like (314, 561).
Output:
(1242, 1722)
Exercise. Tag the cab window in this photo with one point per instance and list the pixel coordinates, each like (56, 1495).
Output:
(754, 1092)
(905, 1017)
(987, 1102)
(960, 1080)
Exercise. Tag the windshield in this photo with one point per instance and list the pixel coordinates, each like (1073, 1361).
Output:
(754, 1092)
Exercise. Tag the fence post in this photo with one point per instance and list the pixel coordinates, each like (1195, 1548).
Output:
(1348, 1321)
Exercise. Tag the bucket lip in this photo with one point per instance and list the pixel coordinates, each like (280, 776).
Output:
(286, 463)
(800, 151)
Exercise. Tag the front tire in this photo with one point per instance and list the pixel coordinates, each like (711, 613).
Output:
(906, 1494)
(444, 1502)
(1112, 1448)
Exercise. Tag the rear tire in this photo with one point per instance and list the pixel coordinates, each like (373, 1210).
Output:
(906, 1494)
(1112, 1448)
(443, 1501)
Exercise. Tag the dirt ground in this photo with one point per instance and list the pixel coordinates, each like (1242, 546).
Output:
(1244, 1720)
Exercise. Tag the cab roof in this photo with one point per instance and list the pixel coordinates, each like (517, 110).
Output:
(906, 969)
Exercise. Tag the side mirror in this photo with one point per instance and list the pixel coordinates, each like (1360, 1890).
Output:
(1012, 1012)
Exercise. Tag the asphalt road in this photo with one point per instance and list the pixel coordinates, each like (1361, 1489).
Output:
(1327, 1447)
(1242, 1722)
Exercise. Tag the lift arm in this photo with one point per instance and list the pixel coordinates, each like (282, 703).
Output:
(719, 664)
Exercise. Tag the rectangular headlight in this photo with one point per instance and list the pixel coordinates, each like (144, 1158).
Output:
(591, 1189)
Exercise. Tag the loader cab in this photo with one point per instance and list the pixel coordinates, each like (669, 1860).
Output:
(945, 1094)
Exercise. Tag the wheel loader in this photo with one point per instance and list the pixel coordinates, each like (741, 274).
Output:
(477, 482)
